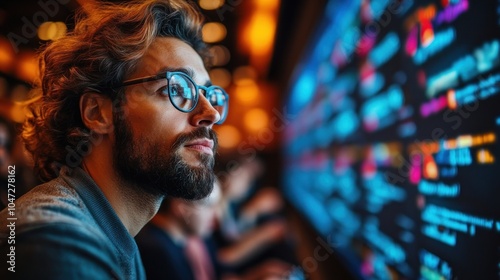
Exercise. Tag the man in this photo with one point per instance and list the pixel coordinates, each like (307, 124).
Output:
(124, 118)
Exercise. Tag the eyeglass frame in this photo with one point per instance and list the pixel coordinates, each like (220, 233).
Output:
(168, 75)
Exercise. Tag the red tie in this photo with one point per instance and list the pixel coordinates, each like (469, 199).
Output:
(197, 256)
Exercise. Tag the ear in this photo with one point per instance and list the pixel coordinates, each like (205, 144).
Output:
(97, 112)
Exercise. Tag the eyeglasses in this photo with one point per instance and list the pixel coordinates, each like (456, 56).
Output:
(183, 92)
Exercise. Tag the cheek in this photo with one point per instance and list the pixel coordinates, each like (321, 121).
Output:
(156, 123)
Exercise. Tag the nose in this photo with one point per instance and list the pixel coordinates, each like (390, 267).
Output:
(204, 114)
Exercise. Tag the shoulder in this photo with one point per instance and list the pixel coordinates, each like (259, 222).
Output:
(61, 251)
(50, 203)
(56, 235)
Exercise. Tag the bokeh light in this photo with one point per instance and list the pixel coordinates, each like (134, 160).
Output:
(6, 55)
(51, 30)
(220, 55)
(267, 4)
(213, 32)
(258, 35)
(27, 66)
(229, 136)
(256, 119)
(247, 93)
(210, 4)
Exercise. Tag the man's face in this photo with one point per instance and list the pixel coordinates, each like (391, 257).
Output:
(158, 148)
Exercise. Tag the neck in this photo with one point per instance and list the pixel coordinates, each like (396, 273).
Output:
(133, 206)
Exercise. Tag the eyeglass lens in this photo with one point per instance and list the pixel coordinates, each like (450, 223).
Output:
(218, 100)
(182, 92)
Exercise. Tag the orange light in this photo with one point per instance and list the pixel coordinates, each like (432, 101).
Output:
(211, 4)
(27, 67)
(266, 4)
(485, 157)
(477, 140)
(6, 55)
(452, 100)
(18, 113)
(464, 141)
(430, 168)
(428, 37)
(51, 30)
(229, 136)
(259, 33)
(430, 148)
(61, 30)
(426, 14)
(427, 33)
(470, 141)
(213, 32)
(247, 93)
(256, 119)
(490, 138)
(450, 144)
(6, 58)
(220, 55)
(43, 30)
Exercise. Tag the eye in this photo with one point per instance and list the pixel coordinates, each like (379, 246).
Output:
(161, 88)
(176, 90)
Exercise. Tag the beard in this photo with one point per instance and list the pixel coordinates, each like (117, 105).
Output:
(161, 170)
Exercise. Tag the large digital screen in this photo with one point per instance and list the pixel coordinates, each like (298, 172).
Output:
(393, 154)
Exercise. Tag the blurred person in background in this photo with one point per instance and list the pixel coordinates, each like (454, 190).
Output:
(122, 117)
(252, 228)
(177, 244)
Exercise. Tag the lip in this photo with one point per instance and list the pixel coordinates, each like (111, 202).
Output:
(203, 145)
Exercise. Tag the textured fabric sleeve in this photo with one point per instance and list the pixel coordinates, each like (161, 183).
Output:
(60, 251)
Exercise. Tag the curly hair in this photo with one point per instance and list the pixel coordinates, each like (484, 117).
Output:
(104, 48)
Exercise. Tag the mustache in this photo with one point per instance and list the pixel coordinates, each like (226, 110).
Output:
(200, 132)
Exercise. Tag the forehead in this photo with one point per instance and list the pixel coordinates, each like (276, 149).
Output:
(167, 52)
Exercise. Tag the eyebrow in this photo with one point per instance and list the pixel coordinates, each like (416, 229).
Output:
(187, 71)
(208, 83)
